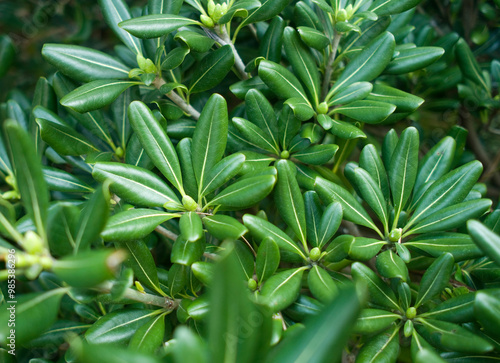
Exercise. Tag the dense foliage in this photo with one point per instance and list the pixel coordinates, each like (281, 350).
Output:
(252, 181)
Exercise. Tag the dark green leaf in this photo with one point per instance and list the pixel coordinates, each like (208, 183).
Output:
(212, 69)
(485, 239)
(370, 112)
(354, 92)
(195, 41)
(321, 284)
(186, 253)
(317, 154)
(191, 226)
(313, 38)
(150, 336)
(468, 64)
(222, 172)
(267, 10)
(383, 347)
(282, 289)
(281, 81)
(413, 59)
(435, 278)
(459, 309)
(7, 54)
(435, 244)
(390, 266)
(62, 181)
(374, 320)
(143, 264)
(270, 45)
(267, 260)
(385, 7)
(155, 25)
(224, 227)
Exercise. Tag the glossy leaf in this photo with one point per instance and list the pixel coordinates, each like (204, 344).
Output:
(372, 194)
(390, 266)
(150, 336)
(485, 239)
(354, 92)
(321, 284)
(195, 41)
(141, 261)
(370, 112)
(374, 320)
(135, 185)
(64, 182)
(362, 248)
(212, 69)
(95, 95)
(224, 227)
(384, 7)
(468, 64)
(435, 244)
(413, 59)
(191, 226)
(281, 81)
(7, 54)
(267, 259)
(222, 172)
(381, 348)
(134, 224)
(313, 38)
(267, 10)
(486, 308)
(186, 253)
(155, 25)
(330, 222)
(282, 289)
(435, 278)
(459, 309)
(84, 64)
(156, 143)
(404, 102)
(317, 154)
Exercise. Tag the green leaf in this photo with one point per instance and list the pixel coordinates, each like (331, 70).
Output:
(330, 222)
(189, 347)
(325, 335)
(116, 11)
(209, 140)
(184, 151)
(282, 289)
(229, 303)
(61, 223)
(370, 112)
(452, 217)
(404, 102)
(378, 292)
(486, 309)
(390, 266)
(174, 58)
(403, 168)
(281, 81)
(150, 336)
(134, 224)
(367, 64)
(301, 108)
(267, 260)
(212, 69)
(390, 7)
(118, 326)
(435, 164)
(459, 309)
(317, 154)
(468, 64)
(177, 279)
(374, 320)
(450, 189)
(383, 347)
(135, 185)
(62, 181)
(240, 9)
(254, 135)
(354, 92)
(164, 6)
(267, 10)
(95, 95)
(195, 41)
(413, 59)
(222, 172)
(244, 260)
(64, 139)
(302, 63)
(155, 25)
(224, 227)
(271, 42)
(362, 248)
(156, 143)
(485, 239)
(342, 129)
(449, 336)
(260, 229)
(245, 193)
(83, 64)
(435, 278)
(289, 200)
(435, 244)
(353, 211)
(89, 268)
(313, 217)
(260, 112)
(371, 193)
(313, 38)
(35, 313)
(370, 161)
(93, 218)
(141, 261)
(191, 227)
(321, 284)
(186, 253)
(29, 176)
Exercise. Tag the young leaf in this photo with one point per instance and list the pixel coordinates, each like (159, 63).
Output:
(95, 95)
(156, 143)
(435, 278)
(135, 185)
(84, 64)
(29, 176)
(209, 139)
(212, 69)
(134, 224)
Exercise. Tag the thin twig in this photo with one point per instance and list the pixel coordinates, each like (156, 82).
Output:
(165, 232)
(187, 108)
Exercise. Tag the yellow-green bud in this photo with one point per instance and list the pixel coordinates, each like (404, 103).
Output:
(207, 21)
(139, 287)
(252, 284)
(224, 8)
(32, 243)
(119, 152)
(46, 262)
(11, 180)
(211, 7)
(349, 9)
(342, 15)
(315, 254)
(217, 13)
(411, 313)
(285, 154)
(11, 194)
(408, 328)
(141, 61)
(395, 235)
(189, 203)
(149, 66)
(322, 108)
(25, 260)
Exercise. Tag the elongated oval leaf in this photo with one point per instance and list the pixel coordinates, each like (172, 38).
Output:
(224, 227)
(64, 182)
(212, 69)
(321, 284)
(134, 224)
(370, 112)
(282, 289)
(390, 266)
(155, 25)
(267, 259)
(485, 239)
(459, 245)
(372, 194)
(435, 278)
(150, 336)
(141, 261)
(281, 81)
(267, 10)
(370, 160)
(191, 227)
(84, 64)
(95, 95)
(156, 143)
(222, 172)
(317, 154)
(410, 60)
(374, 320)
(383, 347)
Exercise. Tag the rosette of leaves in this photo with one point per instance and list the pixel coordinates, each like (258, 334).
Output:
(417, 204)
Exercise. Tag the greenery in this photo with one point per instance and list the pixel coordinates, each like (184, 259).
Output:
(250, 181)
